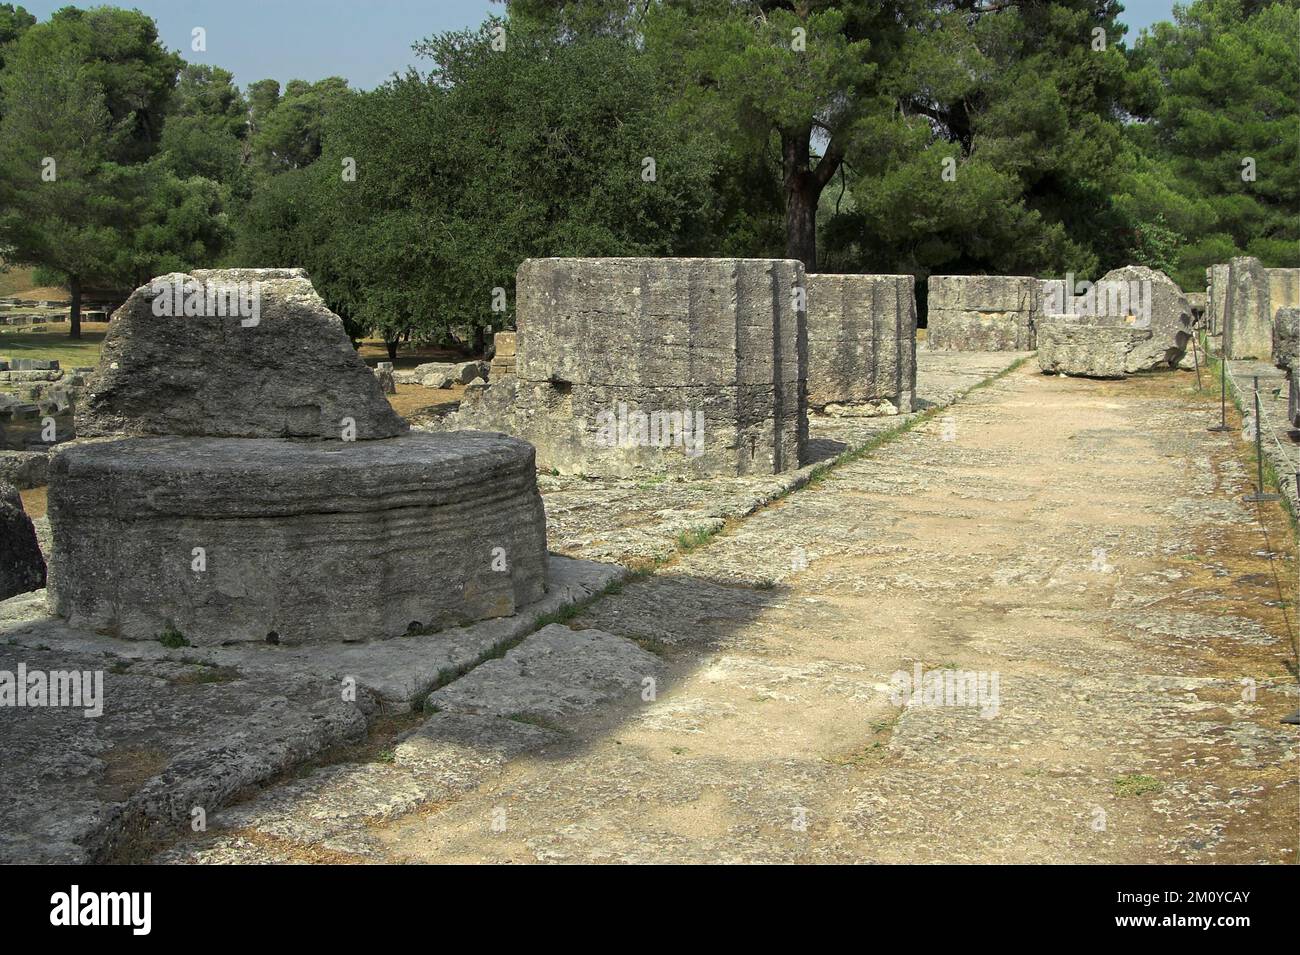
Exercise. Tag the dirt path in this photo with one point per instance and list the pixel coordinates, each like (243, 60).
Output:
(1081, 543)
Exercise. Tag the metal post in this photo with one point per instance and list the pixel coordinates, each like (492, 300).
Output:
(1259, 496)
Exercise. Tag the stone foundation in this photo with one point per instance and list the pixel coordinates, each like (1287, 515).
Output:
(982, 312)
(302, 542)
(861, 342)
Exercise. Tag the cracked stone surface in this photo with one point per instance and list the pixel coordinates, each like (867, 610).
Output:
(194, 727)
(1084, 542)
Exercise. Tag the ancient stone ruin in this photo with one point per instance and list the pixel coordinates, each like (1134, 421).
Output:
(1286, 337)
(288, 372)
(504, 351)
(1283, 290)
(1134, 319)
(36, 402)
(260, 488)
(22, 568)
(633, 365)
(1092, 351)
(1216, 298)
(1248, 319)
(861, 343)
(1244, 299)
(982, 312)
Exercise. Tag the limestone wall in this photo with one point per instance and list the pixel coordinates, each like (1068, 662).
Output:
(982, 312)
(861, 341)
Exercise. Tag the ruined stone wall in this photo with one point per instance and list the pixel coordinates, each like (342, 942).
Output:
(861, 341)
(982, 312)
(628, 365)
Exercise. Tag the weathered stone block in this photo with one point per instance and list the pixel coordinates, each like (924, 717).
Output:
(624, 364)
(289, 371)
(1087, 349)
(1248, 321)
(1286, 337)
(861, 340)
(1293, 398)
(24, 469)
(22, 568)
(1143, 297)
(1283, 289)
(301, 542)
(384, 375)
(981, 312)
(1216, 297)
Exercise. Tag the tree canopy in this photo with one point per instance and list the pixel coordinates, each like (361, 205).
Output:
(910, 136)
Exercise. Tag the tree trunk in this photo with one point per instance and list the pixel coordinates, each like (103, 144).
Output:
(392, 349)
(803, 188)
(74, 315)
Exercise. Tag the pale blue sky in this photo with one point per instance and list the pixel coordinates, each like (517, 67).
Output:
(363, 40)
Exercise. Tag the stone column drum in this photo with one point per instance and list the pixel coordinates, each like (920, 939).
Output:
(285, 503)
(632, 365)
(237, 540)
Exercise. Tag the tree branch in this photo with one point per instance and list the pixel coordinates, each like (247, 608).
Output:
(829, 162)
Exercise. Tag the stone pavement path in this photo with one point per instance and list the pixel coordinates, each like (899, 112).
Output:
(1082, 543)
